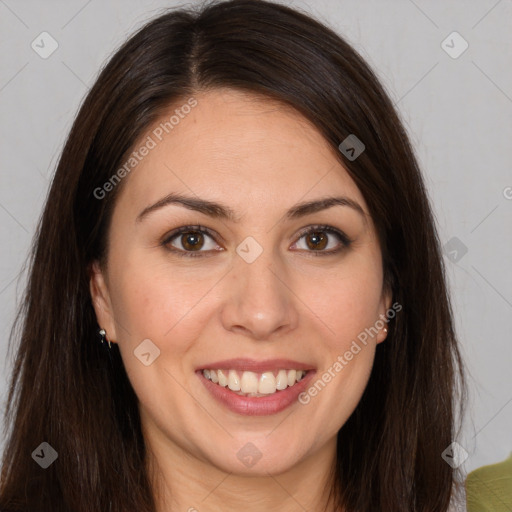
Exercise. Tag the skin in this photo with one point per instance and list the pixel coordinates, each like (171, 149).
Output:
(259, 158)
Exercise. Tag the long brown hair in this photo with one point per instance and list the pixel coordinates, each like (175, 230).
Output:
(68, 391)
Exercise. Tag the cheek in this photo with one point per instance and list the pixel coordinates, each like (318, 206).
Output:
(347, 352)
(166, 306)
(153, 298)
(350, 307)
(348, 301)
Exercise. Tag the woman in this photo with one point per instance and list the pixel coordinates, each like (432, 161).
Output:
(236, 295)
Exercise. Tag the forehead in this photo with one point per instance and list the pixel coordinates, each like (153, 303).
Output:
(238, 147)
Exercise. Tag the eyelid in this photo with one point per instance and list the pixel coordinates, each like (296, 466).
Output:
(185, 229)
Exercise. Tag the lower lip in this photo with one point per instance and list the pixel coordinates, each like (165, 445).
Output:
(257, 406)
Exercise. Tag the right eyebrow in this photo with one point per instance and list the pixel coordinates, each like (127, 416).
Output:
(200, 205)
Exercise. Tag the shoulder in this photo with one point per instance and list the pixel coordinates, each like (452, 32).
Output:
(490, 486)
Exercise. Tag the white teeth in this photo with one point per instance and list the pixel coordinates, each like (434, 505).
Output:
(267, 384)
(223, 380)
(282, 380)
(249, 382)
(233, 381)
(254, 384)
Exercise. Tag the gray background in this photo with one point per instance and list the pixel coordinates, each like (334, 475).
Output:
(457, 112)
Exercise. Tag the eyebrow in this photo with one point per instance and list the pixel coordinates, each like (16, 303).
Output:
(217, 210)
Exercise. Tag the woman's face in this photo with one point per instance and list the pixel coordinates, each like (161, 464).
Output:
(268, 277)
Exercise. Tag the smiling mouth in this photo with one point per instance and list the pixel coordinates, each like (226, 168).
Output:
(253, 384)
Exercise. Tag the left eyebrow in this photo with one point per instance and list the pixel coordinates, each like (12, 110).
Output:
(317, 205)
(218, 210)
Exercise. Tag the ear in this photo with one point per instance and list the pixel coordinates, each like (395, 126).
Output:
(101, 300)
(385, 305)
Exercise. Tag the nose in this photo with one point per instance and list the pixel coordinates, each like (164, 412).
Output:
(259, 301)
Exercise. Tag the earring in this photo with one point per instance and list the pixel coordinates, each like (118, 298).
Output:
(103, 335)
(386, 330)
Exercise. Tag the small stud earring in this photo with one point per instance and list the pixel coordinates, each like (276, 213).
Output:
(103, 335)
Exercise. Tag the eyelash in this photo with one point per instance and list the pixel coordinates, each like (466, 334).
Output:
(344, 239)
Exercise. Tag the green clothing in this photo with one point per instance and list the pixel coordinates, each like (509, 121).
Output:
(489, 488)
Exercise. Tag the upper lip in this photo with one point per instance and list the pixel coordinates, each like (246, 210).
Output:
(252, 365)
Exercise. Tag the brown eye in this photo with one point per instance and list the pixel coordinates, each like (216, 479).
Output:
(316, 240)
(192, 241)
(322, 240)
